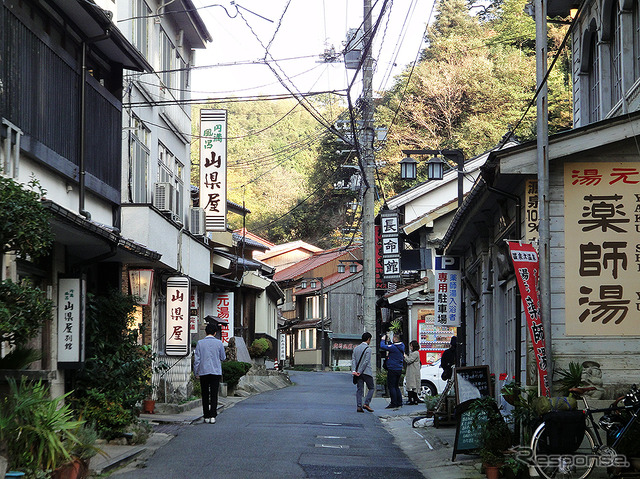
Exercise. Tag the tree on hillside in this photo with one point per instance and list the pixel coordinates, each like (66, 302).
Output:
(473, 83)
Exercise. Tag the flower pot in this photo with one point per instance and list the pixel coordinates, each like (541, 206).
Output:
(76, 469)
(492, 472)
(148, 406)
(510, 398)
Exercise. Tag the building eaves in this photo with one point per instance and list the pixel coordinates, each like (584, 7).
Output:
(189, 21)
(94, 22)
(74, 230)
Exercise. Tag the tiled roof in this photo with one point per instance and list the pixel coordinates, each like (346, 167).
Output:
(318, 259)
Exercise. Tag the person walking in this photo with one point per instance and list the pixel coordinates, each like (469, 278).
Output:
(362, 373)
(207, 367)
(449, 359)
(413, 372)
(394, 368)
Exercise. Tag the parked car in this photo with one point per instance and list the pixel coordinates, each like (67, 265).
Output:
(430, 381)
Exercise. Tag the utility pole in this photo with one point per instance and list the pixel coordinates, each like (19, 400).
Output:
(368, 211)
(544, 253)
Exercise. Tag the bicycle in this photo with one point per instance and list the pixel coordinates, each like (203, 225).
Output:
(574, 452)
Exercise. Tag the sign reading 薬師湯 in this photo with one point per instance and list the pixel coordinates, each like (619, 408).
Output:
(602, 248)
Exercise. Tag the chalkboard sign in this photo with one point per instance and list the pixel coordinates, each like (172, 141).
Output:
(472, 382)
(468, 437)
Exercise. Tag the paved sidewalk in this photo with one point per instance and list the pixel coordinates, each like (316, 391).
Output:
(429, 449)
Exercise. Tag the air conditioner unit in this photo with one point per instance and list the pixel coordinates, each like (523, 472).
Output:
(197, 221)
(164, 197)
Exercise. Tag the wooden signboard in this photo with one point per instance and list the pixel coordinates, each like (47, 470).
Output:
(468, 434)
(472, 382)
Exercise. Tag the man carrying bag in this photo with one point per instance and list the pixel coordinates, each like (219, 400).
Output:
(362, 373)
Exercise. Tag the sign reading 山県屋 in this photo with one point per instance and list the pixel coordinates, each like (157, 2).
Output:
(213, 168)
(602, 226)
(177, 318)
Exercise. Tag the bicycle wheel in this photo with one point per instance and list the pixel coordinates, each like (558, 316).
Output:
(575, 465)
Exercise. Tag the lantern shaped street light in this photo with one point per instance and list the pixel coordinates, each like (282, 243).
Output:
(435, 168)
(341, 268)
(140, 283)
(408, 168)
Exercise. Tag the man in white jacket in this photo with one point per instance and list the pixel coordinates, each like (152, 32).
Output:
(207, 367)
(361, 369)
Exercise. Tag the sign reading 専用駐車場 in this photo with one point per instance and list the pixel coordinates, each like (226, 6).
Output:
(602, 244)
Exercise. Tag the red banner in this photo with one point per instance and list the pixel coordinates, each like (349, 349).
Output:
(525, 262)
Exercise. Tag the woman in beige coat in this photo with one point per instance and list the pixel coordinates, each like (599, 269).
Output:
(413, 372)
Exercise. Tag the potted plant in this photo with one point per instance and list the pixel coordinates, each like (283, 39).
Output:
(37, 431)
(510, 392)
(514, 469)
(495, 436)
(570, 377)
(81, 450)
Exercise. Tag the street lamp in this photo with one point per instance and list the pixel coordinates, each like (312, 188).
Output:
(435, 166)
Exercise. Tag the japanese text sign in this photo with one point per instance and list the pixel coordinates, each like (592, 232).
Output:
(531, 211)
(447, 298)
(213, 168)
(71, 300)
(602, 248)
(177, 318)
(390, 244)
(525, 263)
(223, 309)
(380, 283)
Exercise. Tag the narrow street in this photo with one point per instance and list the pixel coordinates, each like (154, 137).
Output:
(310, 429)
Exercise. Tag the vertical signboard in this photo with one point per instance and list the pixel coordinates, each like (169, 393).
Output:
(223, 309)
(525, 263)
(71, 300)
(380, 282)
(602, 248)
(531, 211)
(390, 229)
(177, 319)
(213, 168)
(447, 291)
(282, 347)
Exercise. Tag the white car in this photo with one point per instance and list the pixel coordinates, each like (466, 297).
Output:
(430, 381)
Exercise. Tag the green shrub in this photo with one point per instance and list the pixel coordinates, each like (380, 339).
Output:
(109, 416)
(260, 347)
(232, 371)
(118, 370)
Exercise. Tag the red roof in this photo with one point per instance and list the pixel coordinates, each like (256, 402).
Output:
(318, 259)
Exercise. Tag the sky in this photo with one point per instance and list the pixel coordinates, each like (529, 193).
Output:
(296, 35)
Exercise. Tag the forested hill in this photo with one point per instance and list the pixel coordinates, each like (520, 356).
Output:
(472, 85)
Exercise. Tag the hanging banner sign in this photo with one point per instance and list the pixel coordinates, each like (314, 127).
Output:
(177, 319)
(213, 168)
(71, 298)
(223, 310)
(525, 263)
(447, 291)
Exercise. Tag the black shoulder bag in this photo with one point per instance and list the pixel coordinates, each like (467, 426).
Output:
(355, 378)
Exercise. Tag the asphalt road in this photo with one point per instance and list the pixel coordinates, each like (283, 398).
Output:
(308, 430)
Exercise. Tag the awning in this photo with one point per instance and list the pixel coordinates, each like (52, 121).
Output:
(91, 242)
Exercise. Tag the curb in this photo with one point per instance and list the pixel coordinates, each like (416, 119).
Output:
(117, 461)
